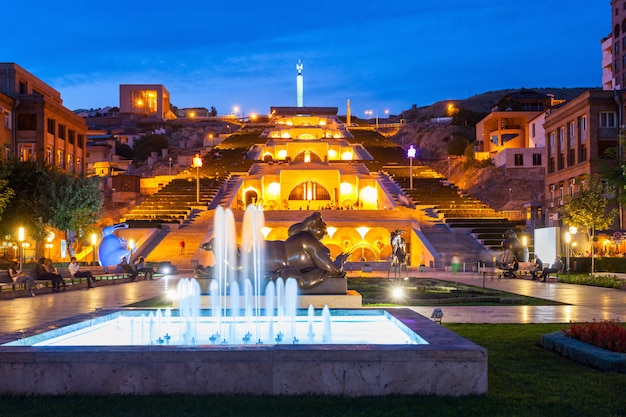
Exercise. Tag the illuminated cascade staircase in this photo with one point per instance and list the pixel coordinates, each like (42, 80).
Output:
(174, 203)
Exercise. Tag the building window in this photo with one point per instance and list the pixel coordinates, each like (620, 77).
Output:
(519, 159)
(582, 153)
(532, 130)
(51, 126)
(561, 138)
(70, 164)
(23, 87)
(561, 162)
(26, 151)
(607, 119)
(26, 122)
(60, 160)
(7, 119)
(61, 131)
(571, 129)
(71, 136)
(550, 165)
(551, 143)
(537, 159)
(81, 141)
(571, 157)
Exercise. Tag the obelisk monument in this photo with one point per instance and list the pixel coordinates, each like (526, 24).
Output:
(299, 85)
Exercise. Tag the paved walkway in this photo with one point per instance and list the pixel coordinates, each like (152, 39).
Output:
(21, 315)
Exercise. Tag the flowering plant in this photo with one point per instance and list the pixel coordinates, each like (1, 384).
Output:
(606, 334)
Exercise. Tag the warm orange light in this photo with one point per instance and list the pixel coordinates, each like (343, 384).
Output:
(197, 161)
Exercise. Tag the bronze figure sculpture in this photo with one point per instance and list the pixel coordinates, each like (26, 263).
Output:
(301, 256)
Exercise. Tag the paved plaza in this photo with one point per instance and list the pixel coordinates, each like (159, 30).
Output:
(21, 316)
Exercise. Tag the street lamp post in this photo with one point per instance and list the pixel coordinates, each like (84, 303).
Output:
(568, 241)
(411, 154)
(94, 240)
(20, 238)
(197, 163)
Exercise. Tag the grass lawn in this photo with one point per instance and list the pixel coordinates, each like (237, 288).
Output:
(434, 292)
(524, 380)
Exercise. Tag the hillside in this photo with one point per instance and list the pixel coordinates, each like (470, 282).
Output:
(501, 189)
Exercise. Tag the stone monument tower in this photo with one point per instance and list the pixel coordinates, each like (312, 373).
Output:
(299, 85)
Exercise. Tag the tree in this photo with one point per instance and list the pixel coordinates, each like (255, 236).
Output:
(48, 197)
(6, 194)
(147, 144)
(587, 210)
(77, 202)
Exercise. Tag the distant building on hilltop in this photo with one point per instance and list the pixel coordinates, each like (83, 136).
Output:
(149, 101)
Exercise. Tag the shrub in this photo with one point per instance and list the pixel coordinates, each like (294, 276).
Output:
(607, 334)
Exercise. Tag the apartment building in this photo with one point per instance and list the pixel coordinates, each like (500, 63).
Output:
(145, 101)
(578, 134)
(36, 125)
(614, 49)
(512, 133)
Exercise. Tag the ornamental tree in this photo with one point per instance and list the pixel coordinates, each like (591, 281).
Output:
(588, 211)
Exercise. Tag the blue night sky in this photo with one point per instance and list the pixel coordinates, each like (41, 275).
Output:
(380, 55)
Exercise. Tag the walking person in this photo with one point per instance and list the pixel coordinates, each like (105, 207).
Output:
(182, 246)
(19, 277)
(75, 272)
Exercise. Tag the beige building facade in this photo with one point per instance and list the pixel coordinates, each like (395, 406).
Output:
(36, 125)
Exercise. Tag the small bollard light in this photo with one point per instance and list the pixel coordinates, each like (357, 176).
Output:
(437, 315)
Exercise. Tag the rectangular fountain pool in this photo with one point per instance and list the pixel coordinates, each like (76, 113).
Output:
(446, 364)
(132, 328)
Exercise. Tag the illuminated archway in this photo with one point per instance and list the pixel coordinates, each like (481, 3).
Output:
(313, 157)
(309, 190)
(251, 197)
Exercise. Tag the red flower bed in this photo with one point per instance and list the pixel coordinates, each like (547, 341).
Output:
(607, 334)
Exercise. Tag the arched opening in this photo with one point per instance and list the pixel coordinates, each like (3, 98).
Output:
(313, 157)
(251, 197)
(309, 190)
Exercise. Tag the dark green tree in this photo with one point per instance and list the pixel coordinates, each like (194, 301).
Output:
(6, 194)
(77, 203)
(123, 150)
(48, 197)
(147, 144)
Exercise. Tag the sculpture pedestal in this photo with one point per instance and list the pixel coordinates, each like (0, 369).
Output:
(351, 299)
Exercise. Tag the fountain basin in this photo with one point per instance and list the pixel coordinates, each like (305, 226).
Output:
(446, 365)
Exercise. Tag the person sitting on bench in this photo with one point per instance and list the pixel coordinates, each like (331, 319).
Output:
(75, 271)
(556, 267)
(124, 266)
(140, 266)
(537, 267)
(19, 277)
(511, 269)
